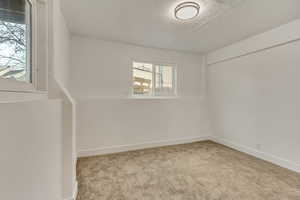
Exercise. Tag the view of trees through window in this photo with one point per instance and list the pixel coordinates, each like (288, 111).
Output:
(15, 40)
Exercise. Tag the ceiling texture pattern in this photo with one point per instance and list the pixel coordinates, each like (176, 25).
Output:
(209, 9)
(151, 23)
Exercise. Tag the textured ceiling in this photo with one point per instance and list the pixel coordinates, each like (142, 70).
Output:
(209, 9)
(151, 23)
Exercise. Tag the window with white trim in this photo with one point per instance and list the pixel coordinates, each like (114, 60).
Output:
(153, 80)
(17, 45)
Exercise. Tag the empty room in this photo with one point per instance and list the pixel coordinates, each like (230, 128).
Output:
(150, 99)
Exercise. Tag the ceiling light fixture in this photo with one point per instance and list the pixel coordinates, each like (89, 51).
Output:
(187, 10)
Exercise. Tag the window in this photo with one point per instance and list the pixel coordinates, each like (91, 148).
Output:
(150, 79)
(16, 41)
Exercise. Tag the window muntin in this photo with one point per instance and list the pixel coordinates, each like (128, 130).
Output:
(15, 40)
(151, 79)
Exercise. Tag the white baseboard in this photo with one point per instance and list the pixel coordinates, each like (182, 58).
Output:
(259, 154)
(75, 192)
(124, 148)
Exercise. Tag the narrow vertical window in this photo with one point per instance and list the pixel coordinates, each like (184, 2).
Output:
(15, 40)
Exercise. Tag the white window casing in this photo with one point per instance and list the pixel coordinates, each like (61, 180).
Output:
(38, 53)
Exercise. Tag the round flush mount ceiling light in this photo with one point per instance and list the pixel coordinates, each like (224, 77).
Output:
(187, 10)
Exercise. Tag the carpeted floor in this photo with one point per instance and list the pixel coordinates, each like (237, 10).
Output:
(197, 171)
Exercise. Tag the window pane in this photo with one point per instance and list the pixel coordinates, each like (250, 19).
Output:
(164, 80)
(142, 78)
(15, 36)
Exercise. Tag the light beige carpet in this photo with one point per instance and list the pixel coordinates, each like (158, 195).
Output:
(197, 171)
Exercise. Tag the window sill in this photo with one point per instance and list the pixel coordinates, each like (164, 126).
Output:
(24, 91)
(13, 86)
(154, 97)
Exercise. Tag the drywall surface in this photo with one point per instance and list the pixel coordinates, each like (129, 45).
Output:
(255, 99)
(61, 46)
(30, 150)
(108, 125)
(19, 97)
(278, 36)
(109, 118)
(60, 40)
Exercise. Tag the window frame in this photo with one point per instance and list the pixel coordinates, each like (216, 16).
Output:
(12, 85)
(153, 94)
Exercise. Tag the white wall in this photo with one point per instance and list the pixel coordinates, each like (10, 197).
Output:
(60, 39)
(254, 95)
(30, 150)
(61, 46)
(109, 120)
(19, 97)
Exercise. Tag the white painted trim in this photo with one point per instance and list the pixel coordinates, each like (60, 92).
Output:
(75, 192)
(68, 95)
(34, 43)
(146, 145)
(279, 36)
(259, 154)
(66, 92)
(153, 97)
